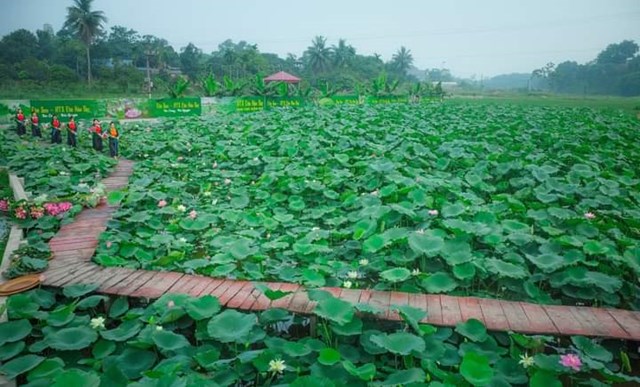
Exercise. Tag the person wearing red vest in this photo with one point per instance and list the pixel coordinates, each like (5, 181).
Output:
(72, 132)
(20, 123)
(35, 125)
(97, 135)
(114, 138)
(56, 130)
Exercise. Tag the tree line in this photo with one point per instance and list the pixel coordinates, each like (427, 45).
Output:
(118, 60)
(124, 61)
(615, 71)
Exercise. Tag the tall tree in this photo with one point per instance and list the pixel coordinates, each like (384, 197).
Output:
(86, 24)
(343, 54)
(402, 60)
(318, 55)
(618, 53)
(190, 61)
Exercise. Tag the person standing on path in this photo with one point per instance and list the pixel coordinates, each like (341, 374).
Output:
(114, 137)
(56, 134)
(72, 133)
(21, 127)
(35, 124)
(96, 132)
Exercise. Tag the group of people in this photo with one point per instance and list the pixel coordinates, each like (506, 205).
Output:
(97, 133)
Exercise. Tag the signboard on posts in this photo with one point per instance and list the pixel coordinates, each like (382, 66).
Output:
(175, 107)
(86, 109)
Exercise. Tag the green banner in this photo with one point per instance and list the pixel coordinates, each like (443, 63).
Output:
(86, 109)
(284, 102)
(175, 107)
(346, 99)
(247, 104)
(387, 99)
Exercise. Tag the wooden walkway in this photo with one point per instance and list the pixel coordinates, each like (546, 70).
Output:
(75, 243)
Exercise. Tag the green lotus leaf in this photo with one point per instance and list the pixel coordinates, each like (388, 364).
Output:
(71, 339)
(547, 262)
(452, 210)
(472, 329)
(132, 362)
(231, 326)
(592, 349)
(398, 274)
(400, 343)
(79, 290)
(365, 372)
(169, 341)
(123, 332)
(475, 369)
(202, 307)
(404, 377)
(20, 365)
(439, 282)
(373, 243)
(10, 350)
(12, 331)
(336, 310)
(425, 244)
(506, 269)
(46, 370)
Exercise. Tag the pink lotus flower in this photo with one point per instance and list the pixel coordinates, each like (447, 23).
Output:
(589, 215)
(4, 205)
(171, 304)
(20, 213)
(571, 361)
(180, 158)
(215, 165)
(54, 209)
(227, 181)
(37, 212)
(193, 214)
(433, 212)
(108, 244)
(162, 203)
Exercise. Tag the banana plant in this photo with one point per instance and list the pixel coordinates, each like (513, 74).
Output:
(260, 87)
(303, 91)
(327, 91)
(178, 88)
(210, 86)
(282, 89)
(231, 87)
(382, 86)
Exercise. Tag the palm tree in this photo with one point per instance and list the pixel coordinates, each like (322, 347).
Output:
(318, 55)
(86, 24)
(402, 60)
(343, 54)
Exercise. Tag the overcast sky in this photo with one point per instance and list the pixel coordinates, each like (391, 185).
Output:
(470, 37)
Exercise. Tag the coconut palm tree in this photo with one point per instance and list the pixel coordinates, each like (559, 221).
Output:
(343, 54)
(402, 60)
(86, 24)
(318, 55)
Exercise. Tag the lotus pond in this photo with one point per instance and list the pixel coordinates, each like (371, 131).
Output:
(60, 181)
(74, 337)
(527, 203)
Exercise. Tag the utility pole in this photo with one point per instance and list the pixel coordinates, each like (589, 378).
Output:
(149, 85)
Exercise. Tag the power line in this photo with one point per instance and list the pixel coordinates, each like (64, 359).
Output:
(446, 32)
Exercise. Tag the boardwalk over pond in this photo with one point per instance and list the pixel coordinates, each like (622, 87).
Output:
(75, 244)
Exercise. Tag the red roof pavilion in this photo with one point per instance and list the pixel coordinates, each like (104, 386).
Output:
(281, 76)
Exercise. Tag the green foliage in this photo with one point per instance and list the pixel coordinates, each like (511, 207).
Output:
(178, 88)
(170, 347)
(446, 211)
